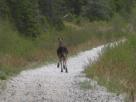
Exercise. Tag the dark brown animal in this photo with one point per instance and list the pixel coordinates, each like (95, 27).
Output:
(62, 52)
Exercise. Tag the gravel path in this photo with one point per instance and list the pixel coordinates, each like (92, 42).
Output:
(48, 84)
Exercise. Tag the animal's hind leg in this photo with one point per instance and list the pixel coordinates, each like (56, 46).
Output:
(65, 66)
(61, 66)
(58, 64)
(66, 70)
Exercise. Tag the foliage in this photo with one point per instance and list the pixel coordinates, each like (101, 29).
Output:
(4, 10)
(98, 10)
(25, 16)
(123, 6)
(52, 10)
(30, 17)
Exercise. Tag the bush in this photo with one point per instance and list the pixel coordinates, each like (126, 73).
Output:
(3, 75)
(25, 15)
(98, 10)
(4, 10)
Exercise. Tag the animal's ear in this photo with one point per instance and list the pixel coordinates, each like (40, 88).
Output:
(60, 38)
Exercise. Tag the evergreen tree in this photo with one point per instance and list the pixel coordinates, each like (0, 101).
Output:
(98, 10)
(28, 15)
(124, 6)
(25, 14)
(4, 10)
(75, 6)
(51, 9)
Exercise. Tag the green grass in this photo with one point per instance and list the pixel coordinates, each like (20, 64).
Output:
(116, 68)
(18, 53)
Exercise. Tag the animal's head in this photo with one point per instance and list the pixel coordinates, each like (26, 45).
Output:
(60, 39)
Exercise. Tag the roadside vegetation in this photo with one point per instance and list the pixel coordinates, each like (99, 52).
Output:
(116, 68)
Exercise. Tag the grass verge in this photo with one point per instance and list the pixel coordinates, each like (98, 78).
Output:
(116, 68)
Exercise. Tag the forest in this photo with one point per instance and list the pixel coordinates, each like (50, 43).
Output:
(30, 17)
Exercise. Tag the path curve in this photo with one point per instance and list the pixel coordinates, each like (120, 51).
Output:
(48, 84)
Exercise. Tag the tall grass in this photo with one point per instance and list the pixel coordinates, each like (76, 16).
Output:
(116, 68)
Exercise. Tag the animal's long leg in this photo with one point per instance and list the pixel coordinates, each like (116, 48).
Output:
(59, 62)
(61, 65)
(65, 65)
(66, 68)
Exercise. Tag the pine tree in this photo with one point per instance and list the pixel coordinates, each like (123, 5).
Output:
(25, 15)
